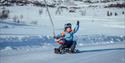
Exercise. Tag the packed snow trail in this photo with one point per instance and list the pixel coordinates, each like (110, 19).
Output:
(111, 53)
(109, 56)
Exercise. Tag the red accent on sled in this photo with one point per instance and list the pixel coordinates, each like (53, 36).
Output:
(60, 42)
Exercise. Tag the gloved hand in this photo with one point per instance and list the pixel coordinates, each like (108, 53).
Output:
(77, 22)
(54, 37)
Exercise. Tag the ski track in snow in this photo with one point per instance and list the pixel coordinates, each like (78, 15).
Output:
(86, 57)
(113, 53)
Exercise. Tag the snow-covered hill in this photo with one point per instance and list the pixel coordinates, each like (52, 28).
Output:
(26, 31)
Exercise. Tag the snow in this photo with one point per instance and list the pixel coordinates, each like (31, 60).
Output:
(92, 20)
(45, 55)
(100, 39)
(25, 49)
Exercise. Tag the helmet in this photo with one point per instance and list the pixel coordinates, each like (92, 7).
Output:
(68, 25)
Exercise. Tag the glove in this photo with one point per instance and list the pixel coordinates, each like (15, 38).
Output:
(54, 37)
(77, 22)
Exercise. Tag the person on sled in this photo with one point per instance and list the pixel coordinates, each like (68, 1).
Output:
(66, 38)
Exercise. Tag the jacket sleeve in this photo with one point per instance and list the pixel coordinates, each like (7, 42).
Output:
(76, 28)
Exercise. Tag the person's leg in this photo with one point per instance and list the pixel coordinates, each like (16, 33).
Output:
(73, 46)
(61, 47)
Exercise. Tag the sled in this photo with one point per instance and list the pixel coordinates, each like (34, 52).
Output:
(65, 50)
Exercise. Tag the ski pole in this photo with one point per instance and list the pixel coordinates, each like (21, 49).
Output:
(50, 17)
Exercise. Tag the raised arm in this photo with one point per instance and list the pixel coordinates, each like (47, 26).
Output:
(76, 28)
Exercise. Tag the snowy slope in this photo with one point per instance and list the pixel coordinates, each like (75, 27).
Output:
(112, 53)
(100, 39)
(111, 56)
(95, 20)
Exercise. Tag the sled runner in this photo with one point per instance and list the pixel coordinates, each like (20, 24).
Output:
(65, 50)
